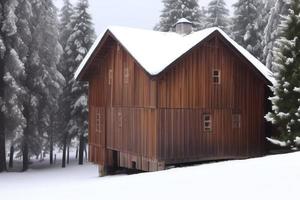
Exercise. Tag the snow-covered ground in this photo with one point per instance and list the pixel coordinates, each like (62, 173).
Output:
(273, 177)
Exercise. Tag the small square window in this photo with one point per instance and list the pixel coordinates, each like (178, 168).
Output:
(216, 73)
(236, 121)
(216, 76)
(207, 123)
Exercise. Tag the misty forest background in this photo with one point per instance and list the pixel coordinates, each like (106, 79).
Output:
(42, 107)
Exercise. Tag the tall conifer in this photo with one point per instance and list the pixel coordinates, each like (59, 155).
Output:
(286, 66)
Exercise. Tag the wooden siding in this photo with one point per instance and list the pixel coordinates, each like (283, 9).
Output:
(147, 122)
(137, 90)
(132, 130)
(127, 98)
(186, 92)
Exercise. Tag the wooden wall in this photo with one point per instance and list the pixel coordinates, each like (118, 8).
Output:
(156, 120)
(186, 92)
(126, 96)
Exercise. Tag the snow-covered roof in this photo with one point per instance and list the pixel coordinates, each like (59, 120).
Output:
(183, 20)
(155, 50)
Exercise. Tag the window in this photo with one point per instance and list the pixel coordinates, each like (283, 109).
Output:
(110, 76)
(207, 122)
(236, 121)
(216, 76)
(126, 75)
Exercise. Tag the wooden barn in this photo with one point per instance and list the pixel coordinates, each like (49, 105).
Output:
(159, 99)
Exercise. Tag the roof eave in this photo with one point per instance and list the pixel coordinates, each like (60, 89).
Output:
(80, 71)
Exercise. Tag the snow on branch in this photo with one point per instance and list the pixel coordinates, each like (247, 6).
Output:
(277, 142)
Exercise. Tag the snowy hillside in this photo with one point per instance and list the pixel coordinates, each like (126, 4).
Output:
(273, 177)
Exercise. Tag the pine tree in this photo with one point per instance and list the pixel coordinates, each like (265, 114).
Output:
(286, 65)
(203, 18)
(48, 50)
(177, 9)
(24, 35)
(246, 25)
(14, 77)
(2, 106)
(218, 15)
(271, 31)
(67, 12)
(43, 79)
(15, 121)
(78, 44)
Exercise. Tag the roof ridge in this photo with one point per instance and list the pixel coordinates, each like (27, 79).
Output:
(155, 50)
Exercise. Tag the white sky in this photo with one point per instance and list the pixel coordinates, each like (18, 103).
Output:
(131, 13)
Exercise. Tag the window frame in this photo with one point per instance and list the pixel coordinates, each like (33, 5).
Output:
(207, 128)
(216, 76)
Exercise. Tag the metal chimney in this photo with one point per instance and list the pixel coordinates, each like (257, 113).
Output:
(183, 27)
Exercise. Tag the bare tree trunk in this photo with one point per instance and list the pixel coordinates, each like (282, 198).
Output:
(51, 149)
(85, 152)
(76, 155)
(63, 164)
(81, 148)
(25, 138)
(2, 149)
(25, 155)
(68, 155)
(11, 156)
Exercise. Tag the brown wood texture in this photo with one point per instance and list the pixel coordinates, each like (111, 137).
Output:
(147, 122)
(186, 92)
(127, 97)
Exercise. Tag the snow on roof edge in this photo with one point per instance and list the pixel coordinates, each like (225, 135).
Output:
(89, 54)
(260, 67)
(183, 20)
(184, 43)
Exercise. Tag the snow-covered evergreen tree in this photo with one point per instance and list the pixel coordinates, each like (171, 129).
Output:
(64, 117)
(24, 38)
(14, 76)
(177, 9)
(78, 44)
(286, 66)
(2, 105)
(49, 50)
(43, 79)
(66, 13)
(218, 15)
(246, 25)
(271, 30)
(202, 19)
(15, 92)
